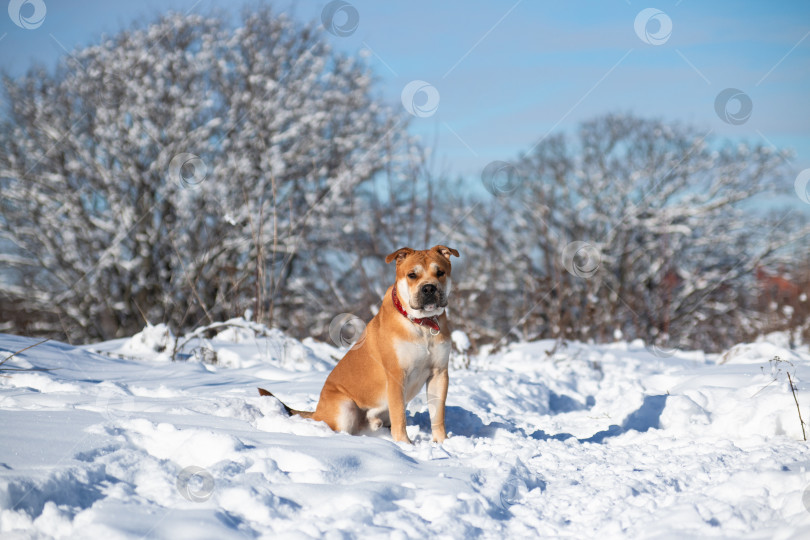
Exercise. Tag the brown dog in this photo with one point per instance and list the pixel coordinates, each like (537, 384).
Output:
(405, 346)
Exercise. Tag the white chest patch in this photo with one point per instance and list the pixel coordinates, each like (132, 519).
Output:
(418, 359)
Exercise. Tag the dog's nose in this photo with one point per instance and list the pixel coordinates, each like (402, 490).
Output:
(429, 288)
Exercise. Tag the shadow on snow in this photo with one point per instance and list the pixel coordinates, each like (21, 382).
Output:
(467, 424)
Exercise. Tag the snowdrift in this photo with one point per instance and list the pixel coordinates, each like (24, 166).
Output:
(116, 440)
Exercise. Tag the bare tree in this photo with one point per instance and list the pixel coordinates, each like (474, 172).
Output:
(635, 228)
(187, 171)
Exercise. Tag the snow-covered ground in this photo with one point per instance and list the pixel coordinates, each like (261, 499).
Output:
(578, 440)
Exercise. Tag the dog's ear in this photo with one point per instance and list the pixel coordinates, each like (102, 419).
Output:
(399, 254)
(444, 251)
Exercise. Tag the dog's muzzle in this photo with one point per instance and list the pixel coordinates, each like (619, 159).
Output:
(430, 297)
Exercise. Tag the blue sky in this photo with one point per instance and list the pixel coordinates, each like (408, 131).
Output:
(509, 73)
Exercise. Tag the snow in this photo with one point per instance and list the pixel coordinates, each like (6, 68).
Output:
(460, 340)
(115, 440)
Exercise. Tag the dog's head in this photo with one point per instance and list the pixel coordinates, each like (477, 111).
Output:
(423, 279)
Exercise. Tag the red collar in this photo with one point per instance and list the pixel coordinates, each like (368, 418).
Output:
(430, 322)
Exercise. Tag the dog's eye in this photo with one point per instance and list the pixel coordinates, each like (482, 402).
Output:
(412, 275)
(439, 273)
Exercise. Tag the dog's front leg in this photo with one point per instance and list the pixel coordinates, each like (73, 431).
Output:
(436, 396)
(396, 410)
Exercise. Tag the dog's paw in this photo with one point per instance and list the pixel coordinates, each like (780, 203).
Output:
(375, 423)
(439, 436)
(402, 439)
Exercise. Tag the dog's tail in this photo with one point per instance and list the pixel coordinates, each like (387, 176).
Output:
(291, 412)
